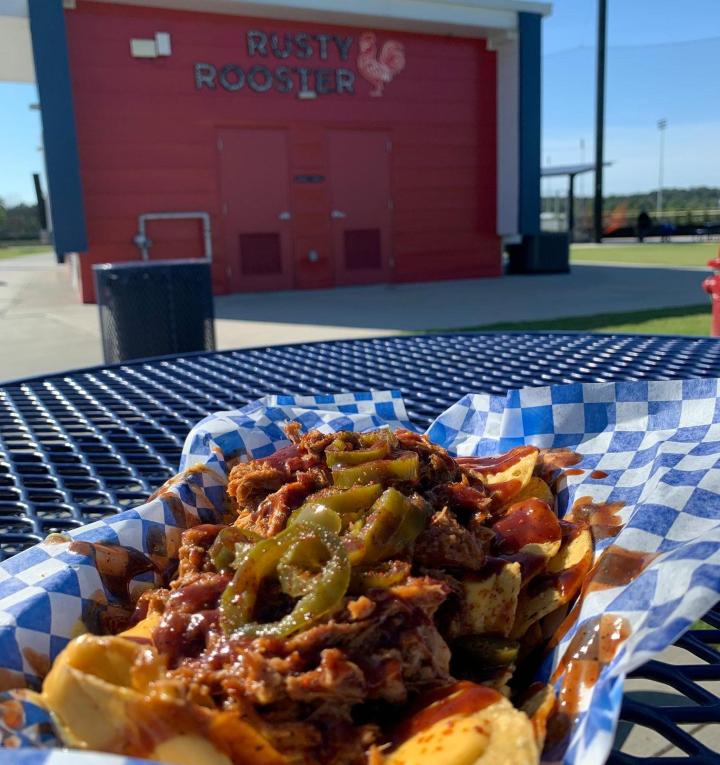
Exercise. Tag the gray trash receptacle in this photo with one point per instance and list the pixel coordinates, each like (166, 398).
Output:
(154, 308)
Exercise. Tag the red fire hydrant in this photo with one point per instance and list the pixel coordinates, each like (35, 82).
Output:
(711, 285)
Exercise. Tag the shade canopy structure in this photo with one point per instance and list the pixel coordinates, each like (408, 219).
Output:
(570, 171)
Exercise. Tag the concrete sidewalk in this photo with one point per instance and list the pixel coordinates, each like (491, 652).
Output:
(587, 290)
(44, 329)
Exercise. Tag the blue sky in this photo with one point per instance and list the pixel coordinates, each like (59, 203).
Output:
(663, 62)
(20, 137)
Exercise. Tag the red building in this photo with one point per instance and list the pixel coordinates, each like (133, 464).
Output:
(328, 143)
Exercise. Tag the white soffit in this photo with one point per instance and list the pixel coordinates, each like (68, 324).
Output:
(13, 8)
(468, 18)
(16, 60)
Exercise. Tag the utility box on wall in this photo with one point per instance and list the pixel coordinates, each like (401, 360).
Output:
(544, 253)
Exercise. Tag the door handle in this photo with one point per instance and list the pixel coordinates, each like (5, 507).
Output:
(337, 214)
(284, 215)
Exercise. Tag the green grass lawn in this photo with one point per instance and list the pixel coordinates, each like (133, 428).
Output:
(663, 254)
(18, 249)
(685, 320)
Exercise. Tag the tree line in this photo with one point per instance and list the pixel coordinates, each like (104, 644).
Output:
(19, 221)
(697, 198)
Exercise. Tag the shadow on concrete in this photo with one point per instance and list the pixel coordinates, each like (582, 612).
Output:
(653, 699)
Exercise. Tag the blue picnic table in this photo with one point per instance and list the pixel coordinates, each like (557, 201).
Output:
(84, 444)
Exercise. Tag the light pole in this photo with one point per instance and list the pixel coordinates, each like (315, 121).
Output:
(599, 121)
(662, 124)
(581, 190)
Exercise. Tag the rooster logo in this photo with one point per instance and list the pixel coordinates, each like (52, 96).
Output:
(379, 70)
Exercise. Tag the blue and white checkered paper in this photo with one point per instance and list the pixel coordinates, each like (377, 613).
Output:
(658, 442)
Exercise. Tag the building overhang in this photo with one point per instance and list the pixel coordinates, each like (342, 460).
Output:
(466, 18)
(570, 170)
(16, 57)
(491, 19)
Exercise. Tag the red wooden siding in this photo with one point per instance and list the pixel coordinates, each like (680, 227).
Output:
(148, 142)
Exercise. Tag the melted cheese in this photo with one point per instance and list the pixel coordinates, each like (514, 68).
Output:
(186, 749)
(496, 735)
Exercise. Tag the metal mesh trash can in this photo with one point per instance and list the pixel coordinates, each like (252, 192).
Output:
(154, 308)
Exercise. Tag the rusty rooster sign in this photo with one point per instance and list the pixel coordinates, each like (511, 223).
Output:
(379, 68)
(287, 63)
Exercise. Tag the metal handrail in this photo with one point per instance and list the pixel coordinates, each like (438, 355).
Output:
(143, 243)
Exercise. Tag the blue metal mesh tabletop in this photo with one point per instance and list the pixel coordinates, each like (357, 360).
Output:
(88, 443)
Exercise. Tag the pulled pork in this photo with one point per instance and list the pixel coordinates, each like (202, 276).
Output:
(266, 491)
(380, 647)
(446, 543)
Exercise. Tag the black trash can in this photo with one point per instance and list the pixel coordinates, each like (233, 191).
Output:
(154, 308)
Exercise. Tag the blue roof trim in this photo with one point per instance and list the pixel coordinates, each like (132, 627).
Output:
(530, 126)
(52, 70)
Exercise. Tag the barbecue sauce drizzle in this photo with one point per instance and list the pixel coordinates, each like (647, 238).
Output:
(463, 698)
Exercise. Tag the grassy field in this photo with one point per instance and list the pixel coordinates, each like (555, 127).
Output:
(685, 320)
(18, 249)
(662, 254)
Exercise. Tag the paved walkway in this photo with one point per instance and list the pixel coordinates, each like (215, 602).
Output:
(44, 329)
(587, 290)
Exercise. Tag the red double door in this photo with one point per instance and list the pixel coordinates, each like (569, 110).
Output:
(263, 245)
